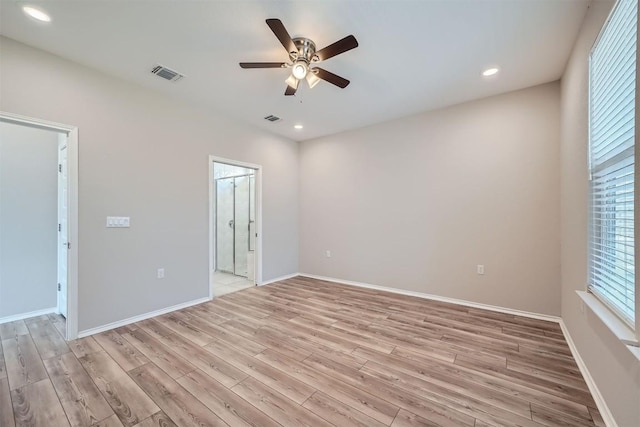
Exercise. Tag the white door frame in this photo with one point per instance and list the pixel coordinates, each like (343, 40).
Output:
(72, 189)
(258, 201)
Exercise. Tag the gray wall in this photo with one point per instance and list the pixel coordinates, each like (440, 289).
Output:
(28, 219)
(145, 156)
(615, 371)
(417, 203)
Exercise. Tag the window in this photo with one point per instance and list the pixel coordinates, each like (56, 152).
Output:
(612, 87)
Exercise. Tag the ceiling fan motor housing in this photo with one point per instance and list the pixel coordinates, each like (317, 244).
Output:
(306, 50)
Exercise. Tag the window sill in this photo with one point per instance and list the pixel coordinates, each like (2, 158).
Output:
(611, 321)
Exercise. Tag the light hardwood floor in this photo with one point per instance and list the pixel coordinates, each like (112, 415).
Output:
(300, 352)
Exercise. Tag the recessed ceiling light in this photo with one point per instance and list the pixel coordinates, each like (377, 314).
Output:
(490, 71)
(36, 13)
(298, 127)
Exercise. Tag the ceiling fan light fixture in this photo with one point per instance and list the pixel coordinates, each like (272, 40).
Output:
(299, 70)
(292, 81)
(312, 79)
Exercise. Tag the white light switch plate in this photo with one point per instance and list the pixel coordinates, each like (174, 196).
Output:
(118, 222)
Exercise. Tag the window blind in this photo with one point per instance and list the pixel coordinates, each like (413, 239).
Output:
(612, 85)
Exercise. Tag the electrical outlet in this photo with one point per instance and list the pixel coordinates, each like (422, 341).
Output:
(328, 253)
(161, 273)
(480, 269)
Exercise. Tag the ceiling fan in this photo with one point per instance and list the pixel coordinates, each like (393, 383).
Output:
(302, 53)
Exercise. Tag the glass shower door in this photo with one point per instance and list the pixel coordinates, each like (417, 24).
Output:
(241, 225)
(225, 195)
(233, 224)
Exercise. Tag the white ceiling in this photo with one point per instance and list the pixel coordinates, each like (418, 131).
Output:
(414, 55)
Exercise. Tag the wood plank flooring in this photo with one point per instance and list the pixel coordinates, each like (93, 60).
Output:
(300, 352)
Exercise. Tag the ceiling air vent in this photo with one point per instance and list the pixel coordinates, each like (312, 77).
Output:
(166, 73)
(273, 118)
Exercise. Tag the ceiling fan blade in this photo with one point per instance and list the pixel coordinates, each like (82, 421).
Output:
(337, 48)
(262, 65)
(281, 33)
(291, 90)
(331, 78)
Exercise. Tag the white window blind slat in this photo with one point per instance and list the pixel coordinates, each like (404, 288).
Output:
(605, 113)
(609, 83)
(615, 49)
(614, 118)
(616, 46)
(618, 33)
(619, 141)
(612, 86)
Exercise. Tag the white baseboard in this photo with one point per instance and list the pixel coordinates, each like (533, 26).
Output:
(23, 316)
(277, 279)
(140, 317)
(595, 393)
(472, 304)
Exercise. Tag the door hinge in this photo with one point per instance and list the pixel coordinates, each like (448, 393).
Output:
(68, 245)
(60, 168)
(59, 227)
(59, 288)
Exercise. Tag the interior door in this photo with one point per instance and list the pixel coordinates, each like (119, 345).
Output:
(63, 215)
(225, 224)
(241, 225)
(252, 213)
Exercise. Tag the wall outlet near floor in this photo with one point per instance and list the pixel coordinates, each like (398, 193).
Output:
(161, 273)
(327, 253)
(480, 269)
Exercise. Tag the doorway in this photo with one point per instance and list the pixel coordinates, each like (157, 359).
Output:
(55, 293)
(235, 215)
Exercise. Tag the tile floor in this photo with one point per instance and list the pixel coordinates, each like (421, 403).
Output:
(225, 283)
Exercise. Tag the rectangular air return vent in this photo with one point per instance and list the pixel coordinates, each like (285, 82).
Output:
(166, 73)
(273, 118)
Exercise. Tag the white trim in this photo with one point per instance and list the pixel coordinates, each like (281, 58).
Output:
(505, 310)
(609, 421)
(212, 249)
(140, 317)
(23, 316)
(615, 324)
(258, 195)
(72, 179)
(277, 279)
(36, 123)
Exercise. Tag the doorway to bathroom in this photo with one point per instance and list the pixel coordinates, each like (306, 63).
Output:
(235, 212)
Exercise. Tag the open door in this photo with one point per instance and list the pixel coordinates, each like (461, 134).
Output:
(225, 226)
(63, 221)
